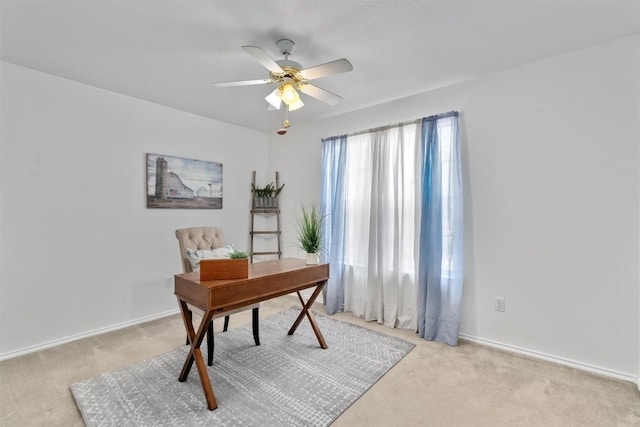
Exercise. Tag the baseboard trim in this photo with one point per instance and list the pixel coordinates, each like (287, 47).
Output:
(489, 343)
(49, 344)
(554, 359)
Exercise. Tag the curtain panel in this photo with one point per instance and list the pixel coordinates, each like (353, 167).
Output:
(441, 231)
(334, 160)
(390, 223)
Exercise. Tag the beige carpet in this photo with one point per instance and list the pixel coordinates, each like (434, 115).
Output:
(434, 385)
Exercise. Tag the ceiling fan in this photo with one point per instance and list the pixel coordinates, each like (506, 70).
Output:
(291, 77)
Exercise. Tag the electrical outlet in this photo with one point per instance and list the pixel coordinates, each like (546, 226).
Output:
(499, 304)
(168, 283)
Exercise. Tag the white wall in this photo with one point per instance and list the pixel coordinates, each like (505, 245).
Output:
(552, 201)
(81, 252)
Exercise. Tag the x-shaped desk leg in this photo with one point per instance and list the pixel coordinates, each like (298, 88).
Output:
(195, 340)
(306, 312)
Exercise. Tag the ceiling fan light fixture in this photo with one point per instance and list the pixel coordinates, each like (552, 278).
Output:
(296, 105)
(275, 99)
(291, 97)
(289, 94)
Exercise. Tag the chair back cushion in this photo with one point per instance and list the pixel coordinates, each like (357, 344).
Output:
(198, 238)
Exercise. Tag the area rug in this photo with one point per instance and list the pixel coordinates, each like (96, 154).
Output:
(286, 381)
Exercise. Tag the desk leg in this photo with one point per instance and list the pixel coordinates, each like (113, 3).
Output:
(307, 312)
(195, 340)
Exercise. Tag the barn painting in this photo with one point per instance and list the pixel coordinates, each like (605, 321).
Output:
(176, 182)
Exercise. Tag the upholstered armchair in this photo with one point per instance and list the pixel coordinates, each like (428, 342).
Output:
(207, 239)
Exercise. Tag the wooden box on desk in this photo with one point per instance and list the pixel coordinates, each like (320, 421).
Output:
(224, 269)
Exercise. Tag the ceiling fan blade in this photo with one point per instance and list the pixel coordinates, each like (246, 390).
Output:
(321, 94)
(334, 67)
(243, 83)
(262, 57)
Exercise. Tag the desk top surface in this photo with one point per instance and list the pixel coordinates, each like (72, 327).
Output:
(266, 280)
(258, 271)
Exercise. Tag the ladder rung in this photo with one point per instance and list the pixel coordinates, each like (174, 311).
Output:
(264, 232)
(266, 253)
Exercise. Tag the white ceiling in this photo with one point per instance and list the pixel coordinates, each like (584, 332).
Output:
(169, 52)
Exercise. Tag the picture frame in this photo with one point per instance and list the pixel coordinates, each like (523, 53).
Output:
(181, 183)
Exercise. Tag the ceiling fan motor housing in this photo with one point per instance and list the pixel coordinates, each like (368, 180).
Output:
(287, 63)
(286, 46)
(291, 68)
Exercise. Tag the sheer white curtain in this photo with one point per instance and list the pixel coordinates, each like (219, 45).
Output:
(383, 202)
(395, 232)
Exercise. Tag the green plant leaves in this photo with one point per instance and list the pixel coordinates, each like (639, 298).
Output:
(268, 190)
(309, 224)
(238, 255)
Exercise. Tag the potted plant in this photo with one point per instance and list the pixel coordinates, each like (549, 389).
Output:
(239, 255)
(265, 197)
(310, 222)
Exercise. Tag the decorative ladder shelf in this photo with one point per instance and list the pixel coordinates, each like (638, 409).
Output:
(271, 208)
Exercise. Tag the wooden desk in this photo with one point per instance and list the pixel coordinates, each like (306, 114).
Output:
(269, 279)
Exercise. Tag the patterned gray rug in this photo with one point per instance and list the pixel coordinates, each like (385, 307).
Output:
(286, 381)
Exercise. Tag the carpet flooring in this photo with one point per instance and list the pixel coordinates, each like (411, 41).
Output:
(286, 381)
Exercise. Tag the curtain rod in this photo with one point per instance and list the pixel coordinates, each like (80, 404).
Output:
(379, 128)
(408, 122)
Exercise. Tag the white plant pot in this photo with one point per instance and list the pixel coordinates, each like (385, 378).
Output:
(313, 258)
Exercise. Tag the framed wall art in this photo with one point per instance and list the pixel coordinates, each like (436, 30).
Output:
(178, 183)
